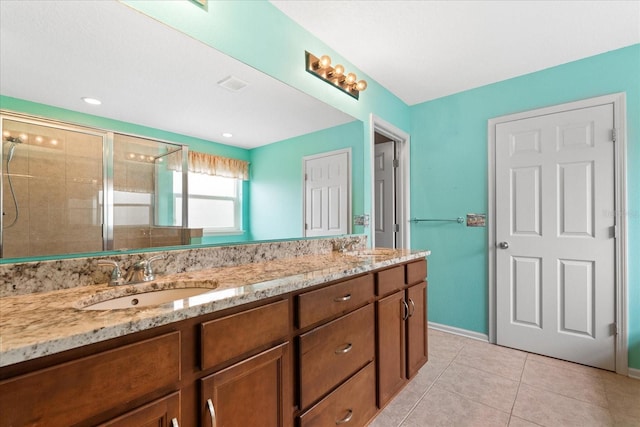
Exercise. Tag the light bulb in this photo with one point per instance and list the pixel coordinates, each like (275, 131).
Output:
(325, 61)
(338, 70)
(6, 133)
(361, 85)
(38, 139)
(351, 78)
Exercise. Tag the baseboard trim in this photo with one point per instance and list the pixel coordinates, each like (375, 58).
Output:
(458, 331)
(634, 373)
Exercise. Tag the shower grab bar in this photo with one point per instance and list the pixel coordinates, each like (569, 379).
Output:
(459, 220)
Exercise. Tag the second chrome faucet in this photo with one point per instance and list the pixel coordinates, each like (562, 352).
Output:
(140, 271)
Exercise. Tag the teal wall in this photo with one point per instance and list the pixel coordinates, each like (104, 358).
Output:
(276, 179)
(449, 178)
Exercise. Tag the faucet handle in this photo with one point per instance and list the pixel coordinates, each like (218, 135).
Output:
(116, 273)
(148, 271)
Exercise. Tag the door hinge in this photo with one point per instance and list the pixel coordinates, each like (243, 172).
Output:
(396, 163)
(306, 226)
(614, 134)
(396, 227)
(614, 329)
(306, 177)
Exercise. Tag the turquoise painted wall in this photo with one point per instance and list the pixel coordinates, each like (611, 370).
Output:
(449, 178)
(276, 179)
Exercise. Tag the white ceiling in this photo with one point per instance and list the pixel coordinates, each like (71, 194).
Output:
(55, 52)
(422, 50)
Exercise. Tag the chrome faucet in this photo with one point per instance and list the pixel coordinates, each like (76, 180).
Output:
(116, 273)
(141, 271)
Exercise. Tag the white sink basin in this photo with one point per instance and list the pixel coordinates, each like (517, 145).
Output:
(144, 299)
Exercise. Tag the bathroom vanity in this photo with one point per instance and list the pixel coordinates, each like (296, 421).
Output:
(319, 339)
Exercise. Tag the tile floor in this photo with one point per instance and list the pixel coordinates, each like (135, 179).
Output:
(471, 383)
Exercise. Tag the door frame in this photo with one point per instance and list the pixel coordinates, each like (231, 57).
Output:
(620, 193)
(346, 151)
(403, 190)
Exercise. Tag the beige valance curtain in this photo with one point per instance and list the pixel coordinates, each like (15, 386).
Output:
(213, 165)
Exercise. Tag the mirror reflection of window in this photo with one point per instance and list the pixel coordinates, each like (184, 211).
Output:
(215, 203)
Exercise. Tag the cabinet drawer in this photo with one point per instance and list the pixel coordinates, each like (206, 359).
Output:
(331, 353)
(69, 393)
(160, 412)
(390, 280)
(353, 403)
(232, 336)
(324, 303)
(416, 272)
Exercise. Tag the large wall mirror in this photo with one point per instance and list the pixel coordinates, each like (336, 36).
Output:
(160, 84)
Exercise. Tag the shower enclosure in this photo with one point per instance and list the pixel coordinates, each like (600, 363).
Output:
(70, 189)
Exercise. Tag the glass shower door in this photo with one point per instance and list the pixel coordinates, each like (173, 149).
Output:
(52, 181)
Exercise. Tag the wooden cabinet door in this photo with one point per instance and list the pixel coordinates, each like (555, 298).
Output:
(417, 328)
(254, 392)
(164, 412)
(391, 346)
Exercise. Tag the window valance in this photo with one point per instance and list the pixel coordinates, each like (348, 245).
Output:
(213, 165)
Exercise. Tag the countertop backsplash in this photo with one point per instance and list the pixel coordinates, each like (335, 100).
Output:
(45, 276)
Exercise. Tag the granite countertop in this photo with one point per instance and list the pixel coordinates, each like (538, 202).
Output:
(41, 324)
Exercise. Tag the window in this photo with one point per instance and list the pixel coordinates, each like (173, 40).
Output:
(215, 202)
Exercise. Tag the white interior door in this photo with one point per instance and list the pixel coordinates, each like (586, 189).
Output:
(555, 260)
(384, 194)
(327, 189)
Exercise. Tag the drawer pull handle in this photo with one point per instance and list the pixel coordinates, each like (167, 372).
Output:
(405, 316)
(413, 305)
(345, 419)
(212, 412)
(346, 349)
(174, 422)
(347, 297)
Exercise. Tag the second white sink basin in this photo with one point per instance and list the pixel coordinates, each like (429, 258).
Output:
(144, 299)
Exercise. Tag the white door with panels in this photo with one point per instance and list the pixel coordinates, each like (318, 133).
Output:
(327, 194)
(555, 234)
(384, 182)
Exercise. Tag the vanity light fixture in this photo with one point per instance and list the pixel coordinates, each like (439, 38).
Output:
(321, 68)
(91, 101)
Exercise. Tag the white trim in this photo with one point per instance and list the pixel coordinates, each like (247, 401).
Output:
(619, 121)
(458, 331)
(634, 373)
(403, 144)
(349, 185)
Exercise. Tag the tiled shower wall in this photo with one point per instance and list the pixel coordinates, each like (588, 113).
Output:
(57, 179)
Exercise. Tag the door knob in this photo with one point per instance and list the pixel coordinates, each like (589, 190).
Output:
(503, 245)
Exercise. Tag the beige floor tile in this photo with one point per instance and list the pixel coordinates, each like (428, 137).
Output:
(398, 409)
(623, 395)
(444, 345)
(519, 422)
(440, 407)
(563, 364)
(550, 409)
(570, 383)
(428, 374)
(494, 359)
(480, 386)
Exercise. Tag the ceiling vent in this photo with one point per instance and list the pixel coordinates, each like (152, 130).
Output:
(233, 84)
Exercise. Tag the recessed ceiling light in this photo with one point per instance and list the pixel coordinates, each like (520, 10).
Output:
(227, 135)
(92, 101)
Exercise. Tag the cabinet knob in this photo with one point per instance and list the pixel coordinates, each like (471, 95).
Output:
(347, 297)
(413, 306)
(346, 349)
(406, 310)
(345, 419)
(212, 412)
